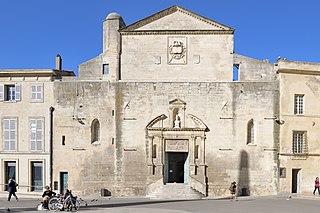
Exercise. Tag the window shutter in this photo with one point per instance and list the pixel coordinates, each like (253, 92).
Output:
(40, 92)
(6, 134)
(1, 92)
(13, 133)
(18, 92)
(33, 131)
(33, 92)
(39, 135)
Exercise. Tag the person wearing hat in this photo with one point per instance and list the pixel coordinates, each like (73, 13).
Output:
(47, 194)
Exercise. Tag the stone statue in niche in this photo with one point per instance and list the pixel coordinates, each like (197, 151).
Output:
(177, 122)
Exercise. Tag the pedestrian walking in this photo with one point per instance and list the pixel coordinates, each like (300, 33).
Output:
(233, 190)
(12, 189)
(316, 186)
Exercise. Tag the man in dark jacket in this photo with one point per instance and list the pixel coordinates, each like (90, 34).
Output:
(47, 194)
(12, 188)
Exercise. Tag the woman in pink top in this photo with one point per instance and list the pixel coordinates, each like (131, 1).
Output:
(316, 186)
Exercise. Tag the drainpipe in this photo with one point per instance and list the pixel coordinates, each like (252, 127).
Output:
(51, 109)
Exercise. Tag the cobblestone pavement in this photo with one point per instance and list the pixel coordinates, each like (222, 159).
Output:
(283, 204)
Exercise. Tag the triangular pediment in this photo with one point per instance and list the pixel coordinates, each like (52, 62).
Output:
(176, 18)
(177, 101)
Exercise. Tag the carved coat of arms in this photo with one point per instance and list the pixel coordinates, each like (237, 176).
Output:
(177, 51)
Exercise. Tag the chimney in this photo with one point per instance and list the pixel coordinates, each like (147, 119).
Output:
(58, 62)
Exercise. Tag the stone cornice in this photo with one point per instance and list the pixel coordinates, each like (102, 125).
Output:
(176, 129)
(299, 72)
(178, 32)
(169, 11)
(34, 72)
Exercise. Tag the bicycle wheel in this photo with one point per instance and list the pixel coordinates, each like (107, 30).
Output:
(53, 204)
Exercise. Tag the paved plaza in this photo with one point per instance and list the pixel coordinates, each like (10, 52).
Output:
(283, 204)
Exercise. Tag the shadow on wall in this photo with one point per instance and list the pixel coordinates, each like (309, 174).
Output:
(244, 179)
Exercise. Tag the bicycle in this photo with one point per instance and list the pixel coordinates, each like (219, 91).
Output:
(57, 203)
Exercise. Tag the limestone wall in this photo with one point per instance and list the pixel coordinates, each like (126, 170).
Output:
(121, 166)
(147, 57)
(227, 155)
(90, 166)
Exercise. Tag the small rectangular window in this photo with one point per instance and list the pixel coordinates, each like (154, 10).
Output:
(299, 142)
(235, 72)
(105, 69)
(250, 133)
(298, 104)
(282, 172)
(37, 92)
(10, 92)
(63, 140)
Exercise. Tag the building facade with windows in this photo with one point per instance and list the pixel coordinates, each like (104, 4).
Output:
(299, 154)
(167, 103)
(25, 100)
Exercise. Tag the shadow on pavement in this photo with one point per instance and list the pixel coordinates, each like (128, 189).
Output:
(101, 206)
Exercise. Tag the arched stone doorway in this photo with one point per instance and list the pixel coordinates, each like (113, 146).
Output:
(176, 149)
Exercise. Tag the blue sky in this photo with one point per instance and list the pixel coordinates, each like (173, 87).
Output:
(33, 32)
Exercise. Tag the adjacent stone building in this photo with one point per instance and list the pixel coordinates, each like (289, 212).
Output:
(169, 104)
(299, 154)
(26, 98)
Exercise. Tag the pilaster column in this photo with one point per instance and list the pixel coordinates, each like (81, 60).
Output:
(192, 143)
(161, 154)
(150, 159)
(192, 149)
(202, 160)
(203, 151)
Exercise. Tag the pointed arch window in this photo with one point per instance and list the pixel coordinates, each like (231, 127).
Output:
(95, 131)
(250, 133)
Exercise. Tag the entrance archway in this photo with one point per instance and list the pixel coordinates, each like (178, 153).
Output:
(177, 166)
(176, 149)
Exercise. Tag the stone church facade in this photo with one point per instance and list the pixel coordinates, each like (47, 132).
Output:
(167, 110)
(162, 105)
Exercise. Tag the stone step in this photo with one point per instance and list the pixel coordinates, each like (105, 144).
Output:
(175, 191)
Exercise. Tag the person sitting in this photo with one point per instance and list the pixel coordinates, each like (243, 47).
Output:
(67, 199)
(47, 194)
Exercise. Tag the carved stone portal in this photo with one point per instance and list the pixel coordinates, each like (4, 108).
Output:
(176, 148)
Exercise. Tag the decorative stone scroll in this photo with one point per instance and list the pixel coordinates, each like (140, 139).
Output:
(176, 146)
(177, 50)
